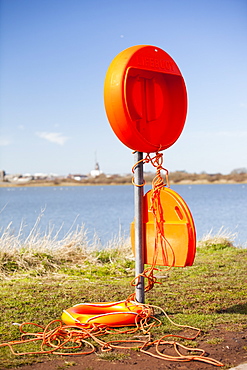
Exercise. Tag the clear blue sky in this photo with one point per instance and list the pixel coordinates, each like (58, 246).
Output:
(54, 57)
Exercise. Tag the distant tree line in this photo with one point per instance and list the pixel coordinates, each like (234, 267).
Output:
(234, 176)
(237, 175)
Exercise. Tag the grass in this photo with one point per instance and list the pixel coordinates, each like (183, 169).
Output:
(43, 275)
(38, 254)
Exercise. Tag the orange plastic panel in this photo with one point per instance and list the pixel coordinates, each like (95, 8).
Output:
(145, 98)
(178, 229)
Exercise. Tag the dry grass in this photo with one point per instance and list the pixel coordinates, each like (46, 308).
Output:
(39, 253)
(223, 237)
(44, 252)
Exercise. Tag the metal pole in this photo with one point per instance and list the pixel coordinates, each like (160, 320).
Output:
(138, 197)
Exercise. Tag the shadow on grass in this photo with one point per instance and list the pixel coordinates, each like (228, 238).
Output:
(238, 308)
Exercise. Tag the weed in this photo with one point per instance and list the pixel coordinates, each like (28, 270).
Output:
(66, 365)
(215, 340)
(190, 343)
(70, 363)
(136, 349)
(112, 357)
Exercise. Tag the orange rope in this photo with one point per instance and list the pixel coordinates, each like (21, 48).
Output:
(160, 240)
(64, 338)
(156, 209)
(56, 339)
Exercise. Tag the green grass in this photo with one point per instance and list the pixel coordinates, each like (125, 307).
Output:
(38, 283)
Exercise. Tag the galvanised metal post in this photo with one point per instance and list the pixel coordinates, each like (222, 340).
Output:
(138, 201)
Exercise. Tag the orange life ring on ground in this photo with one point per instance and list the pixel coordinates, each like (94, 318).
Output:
(115, 314)
(178, 230)
(145, 98)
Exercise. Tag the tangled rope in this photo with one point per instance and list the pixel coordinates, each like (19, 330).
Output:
(65, 339)
(160, 240)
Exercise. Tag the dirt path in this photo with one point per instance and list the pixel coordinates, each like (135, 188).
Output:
(231, 350)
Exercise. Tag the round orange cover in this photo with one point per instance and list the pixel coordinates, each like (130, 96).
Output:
(145, 98)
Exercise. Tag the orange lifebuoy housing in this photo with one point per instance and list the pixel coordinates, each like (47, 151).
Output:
(178, 231)
(145, 98)
(115, 314)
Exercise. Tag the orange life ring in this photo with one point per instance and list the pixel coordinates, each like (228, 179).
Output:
(115, 314)
(178, 230)
(145, 98)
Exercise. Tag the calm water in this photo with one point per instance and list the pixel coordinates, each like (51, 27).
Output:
(106, 210)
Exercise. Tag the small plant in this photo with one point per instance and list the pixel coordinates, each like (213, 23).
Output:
(215, 340)
(190, 343)
(66, 365)
(112, 357)
(136, 349)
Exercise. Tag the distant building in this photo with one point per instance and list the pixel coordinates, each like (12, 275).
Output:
(40, 176)
(96, 172)
(77, 177)
(2, 175)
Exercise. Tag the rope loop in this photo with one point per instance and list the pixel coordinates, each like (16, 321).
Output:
(157, 163)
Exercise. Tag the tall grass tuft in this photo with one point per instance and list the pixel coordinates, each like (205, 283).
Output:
(40, 253)
(221, 240)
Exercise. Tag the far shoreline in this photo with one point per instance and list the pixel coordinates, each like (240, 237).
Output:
(46, 183)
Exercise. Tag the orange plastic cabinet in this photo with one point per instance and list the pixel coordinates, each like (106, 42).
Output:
(145, 98)
(179, 243)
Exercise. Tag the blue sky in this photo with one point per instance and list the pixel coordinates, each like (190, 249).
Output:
(54, 57)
